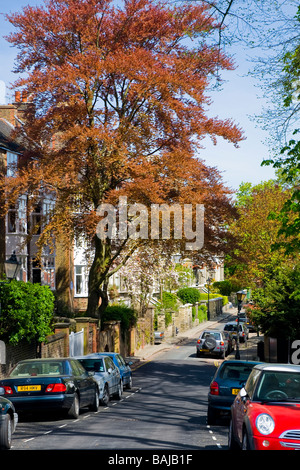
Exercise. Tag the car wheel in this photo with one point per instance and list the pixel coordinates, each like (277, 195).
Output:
(95, 405)
(129, 384)
(105, 397)
(75, 408)
(6, 432)
(232, 444)
(118, 395)
(211, 416)
(245, 443)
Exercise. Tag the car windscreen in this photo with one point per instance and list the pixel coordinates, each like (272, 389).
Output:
(214, 334)
(235, 371)
(92, 365)
(230, 327)
(279, 386)
(38, 368)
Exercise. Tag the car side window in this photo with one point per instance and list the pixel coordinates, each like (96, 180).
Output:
(251, 382)
(120, 361)
(77, 368)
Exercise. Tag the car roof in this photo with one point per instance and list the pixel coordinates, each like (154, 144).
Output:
(278, 367)
(208, 330)
(232, 361)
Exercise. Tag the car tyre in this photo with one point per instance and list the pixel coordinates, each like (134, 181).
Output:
(232, 444)
(6, 433)
(129, 384)
(245, 442)
(119, 393)
(211, 416)
(95, 405)
(105, 398)
(75, 408)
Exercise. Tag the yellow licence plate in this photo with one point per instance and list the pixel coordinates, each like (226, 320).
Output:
(29, 388)
(235, 391)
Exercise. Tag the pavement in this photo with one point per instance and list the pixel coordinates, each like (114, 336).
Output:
(248, 350)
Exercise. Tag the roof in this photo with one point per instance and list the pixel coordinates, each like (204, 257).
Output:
(6, 140)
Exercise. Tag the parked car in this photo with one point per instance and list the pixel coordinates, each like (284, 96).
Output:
(159, 336)
(232, 327)
(266, 412)
(106, 373)
(60, 384)
(229, 378)
(8, 421)
(124, 368)
(212, 342)
(242, 318)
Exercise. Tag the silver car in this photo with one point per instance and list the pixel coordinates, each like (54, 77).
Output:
(231, 327)
(106, 374)
(212, 342)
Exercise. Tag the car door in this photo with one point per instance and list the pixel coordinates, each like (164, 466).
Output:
(83, 383)
(114, 374)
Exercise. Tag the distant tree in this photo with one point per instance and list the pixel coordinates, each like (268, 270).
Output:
(253, 260)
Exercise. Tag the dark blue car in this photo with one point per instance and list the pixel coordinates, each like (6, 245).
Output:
(228, 380)
(123, 366)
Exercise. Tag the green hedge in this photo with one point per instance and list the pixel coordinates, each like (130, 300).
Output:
(126, 315)
(189, 295)
(26, 311)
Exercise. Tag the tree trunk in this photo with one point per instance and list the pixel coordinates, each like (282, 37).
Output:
(97, 285)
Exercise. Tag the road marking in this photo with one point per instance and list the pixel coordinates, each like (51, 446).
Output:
(31, 439)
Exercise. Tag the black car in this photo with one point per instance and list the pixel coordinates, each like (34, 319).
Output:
(8, 421)
(60, 384)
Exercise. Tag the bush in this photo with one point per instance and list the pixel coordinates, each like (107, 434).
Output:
(26, 311)
(126, 315)
(189, 295)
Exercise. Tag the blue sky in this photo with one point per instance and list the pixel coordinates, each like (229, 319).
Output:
(239, 99)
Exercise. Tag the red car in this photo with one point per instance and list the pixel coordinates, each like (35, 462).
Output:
(266, 413)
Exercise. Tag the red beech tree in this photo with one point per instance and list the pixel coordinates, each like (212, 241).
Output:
(118, 108)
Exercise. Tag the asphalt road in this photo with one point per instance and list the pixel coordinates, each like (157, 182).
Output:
(165, 410)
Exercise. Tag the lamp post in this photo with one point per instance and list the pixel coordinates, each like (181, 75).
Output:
(12, 267)
(208, 282)
(240, 297)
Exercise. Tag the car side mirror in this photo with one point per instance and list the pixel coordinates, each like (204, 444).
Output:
(243, 394)
(109, 370)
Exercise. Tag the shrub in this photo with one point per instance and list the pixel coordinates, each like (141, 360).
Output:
(189, 295)
(126, 315)
(26, 311)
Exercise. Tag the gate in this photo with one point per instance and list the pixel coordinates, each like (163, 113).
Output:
(76, 343)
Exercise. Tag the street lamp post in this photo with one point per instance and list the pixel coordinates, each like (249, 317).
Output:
(240, 297)
(12, 267)
(208, 281)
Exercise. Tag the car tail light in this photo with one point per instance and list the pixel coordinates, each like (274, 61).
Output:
(199, 341)
(8, 390)
(222, 343)
(214, 388)
(56, 388)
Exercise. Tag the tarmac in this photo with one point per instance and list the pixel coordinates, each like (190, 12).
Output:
(247, 350)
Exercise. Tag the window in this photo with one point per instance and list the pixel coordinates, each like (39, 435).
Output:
(81, 281)
(11, 162)
(36, 219)
(16, 217)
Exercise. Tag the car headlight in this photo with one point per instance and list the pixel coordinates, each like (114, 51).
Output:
(265, 424)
